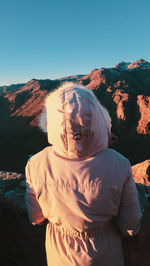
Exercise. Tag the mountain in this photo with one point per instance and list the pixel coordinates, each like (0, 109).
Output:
(13, 87)
(126, 94)
(71, 78)
(123, 89)
(139, 64)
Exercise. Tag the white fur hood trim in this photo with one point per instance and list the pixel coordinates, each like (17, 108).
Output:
(76, 123)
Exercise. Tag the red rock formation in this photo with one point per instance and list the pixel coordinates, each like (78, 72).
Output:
(144, 108)
(141, 172)
(28, 100)
(95, 78)
(119, 98)
(142, 64)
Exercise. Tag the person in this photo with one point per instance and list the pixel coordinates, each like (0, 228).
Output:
(82, 187)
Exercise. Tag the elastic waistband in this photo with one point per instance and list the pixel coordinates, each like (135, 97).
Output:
(83, 234)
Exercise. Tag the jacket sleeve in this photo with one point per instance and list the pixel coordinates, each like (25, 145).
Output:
(129, 215)
(33, 208)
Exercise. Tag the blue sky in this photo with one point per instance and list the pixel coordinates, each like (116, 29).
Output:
(50, 39)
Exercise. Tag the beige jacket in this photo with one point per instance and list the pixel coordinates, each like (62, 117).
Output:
(84, 189)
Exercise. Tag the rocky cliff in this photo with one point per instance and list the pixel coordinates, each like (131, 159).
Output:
(123, 89)
(22, 244)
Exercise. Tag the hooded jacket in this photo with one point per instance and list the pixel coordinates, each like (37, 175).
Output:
(84, 189)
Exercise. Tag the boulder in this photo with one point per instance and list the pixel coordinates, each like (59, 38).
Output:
(21, 243)
(136, 249)
(141, 172)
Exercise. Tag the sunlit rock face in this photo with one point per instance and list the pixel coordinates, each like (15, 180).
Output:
(28, 100)
(141, 172)
(128, 85)
(141, 64)
(125, 91)
(95, 78)
(144, 108)
(119, 98)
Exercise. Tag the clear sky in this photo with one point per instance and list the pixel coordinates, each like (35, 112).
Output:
(52, 39)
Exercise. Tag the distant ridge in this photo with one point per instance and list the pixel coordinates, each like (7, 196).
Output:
(122, 66)
(11, 87)
(139, 64)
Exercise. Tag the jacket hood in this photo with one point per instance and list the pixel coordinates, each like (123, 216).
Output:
(77, 124)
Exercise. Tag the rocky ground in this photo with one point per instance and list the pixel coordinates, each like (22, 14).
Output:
(22, 244)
